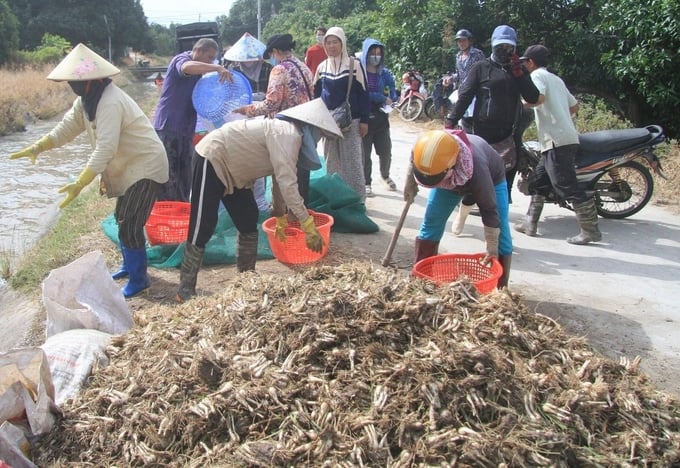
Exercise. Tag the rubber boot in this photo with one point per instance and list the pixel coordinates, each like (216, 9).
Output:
(530, 224)
(506, 262)
(135, 260)
(586, 215)
(123, 270)
(425, 248)
(188, 273)
(247, 251)
(461, 216)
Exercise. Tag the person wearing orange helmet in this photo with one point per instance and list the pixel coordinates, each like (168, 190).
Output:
(454, 164)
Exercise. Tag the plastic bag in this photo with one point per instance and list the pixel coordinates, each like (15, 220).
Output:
(71, 355)
(26, 390)
(82, 294)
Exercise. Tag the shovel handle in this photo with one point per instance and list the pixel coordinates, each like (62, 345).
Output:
(393, 242)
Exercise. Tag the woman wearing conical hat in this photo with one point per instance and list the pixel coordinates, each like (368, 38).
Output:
(127, 153)
(229, 159)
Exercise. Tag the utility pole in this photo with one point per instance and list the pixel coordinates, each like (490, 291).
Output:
(259, 20)
(108, 30)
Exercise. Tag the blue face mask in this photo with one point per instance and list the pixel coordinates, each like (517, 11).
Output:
(273, 61)
(374, 59)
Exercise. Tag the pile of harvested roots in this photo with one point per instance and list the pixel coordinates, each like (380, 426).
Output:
(357, 366)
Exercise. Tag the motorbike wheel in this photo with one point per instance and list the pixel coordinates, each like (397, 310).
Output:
(411, 109)
(623, 191)
(430, 110)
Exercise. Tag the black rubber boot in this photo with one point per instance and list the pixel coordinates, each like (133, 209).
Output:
(425, 248)
(530, 225)
(191, 263)
(506, 262)
(246, 255)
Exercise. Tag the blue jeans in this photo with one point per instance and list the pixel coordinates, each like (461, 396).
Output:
(442, 202)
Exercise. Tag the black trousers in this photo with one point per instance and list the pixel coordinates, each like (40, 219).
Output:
(556, 169)
(132, 211)
(207, 191)
(378, 136)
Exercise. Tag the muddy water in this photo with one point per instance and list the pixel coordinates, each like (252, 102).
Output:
(29, 195)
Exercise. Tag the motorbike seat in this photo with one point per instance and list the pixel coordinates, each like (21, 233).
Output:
(612, 141)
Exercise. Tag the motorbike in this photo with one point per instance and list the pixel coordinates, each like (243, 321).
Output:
(413, 96)
(609, 166)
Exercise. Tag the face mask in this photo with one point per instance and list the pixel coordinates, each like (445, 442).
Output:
(78, 87)
(319, 39)
(502, 54)
(374, 59)
(273, 61)
(248, 66)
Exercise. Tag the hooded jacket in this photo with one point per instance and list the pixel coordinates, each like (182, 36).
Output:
(330, 80)
(385, 78)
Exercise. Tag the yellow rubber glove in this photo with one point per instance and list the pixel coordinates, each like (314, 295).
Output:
(32, 152)
(72, 190)
(313, 239)
(281, 225)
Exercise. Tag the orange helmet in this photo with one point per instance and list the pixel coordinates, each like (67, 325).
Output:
(434, 153)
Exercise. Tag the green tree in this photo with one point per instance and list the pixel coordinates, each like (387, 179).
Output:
(86, 21)
(644, 57)
(243, 18)
(162, 40)
(9, 31)
(51, 50)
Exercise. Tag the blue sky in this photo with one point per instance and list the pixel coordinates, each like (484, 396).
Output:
(184, 11)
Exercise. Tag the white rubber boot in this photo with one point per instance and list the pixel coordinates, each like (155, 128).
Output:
(461, 216)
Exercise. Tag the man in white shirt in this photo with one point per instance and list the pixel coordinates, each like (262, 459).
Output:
(559, 145)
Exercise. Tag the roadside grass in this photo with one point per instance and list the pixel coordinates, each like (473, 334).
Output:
(64, 242)
(28, 96)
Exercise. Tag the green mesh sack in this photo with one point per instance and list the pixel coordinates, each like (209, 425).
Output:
(220, 249)
(331, 195)
(331, 190)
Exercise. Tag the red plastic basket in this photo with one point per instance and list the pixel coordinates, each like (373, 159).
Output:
(294, 250)
(168, 222)
(447, 268)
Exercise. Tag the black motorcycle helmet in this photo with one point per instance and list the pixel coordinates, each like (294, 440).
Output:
(464, 34)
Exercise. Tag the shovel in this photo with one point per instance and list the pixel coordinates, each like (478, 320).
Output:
(393, 243)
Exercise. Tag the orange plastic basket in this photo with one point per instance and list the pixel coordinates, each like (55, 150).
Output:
(294, 250)
(447, 268)
(168, 222)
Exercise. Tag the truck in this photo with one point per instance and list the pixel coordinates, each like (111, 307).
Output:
(186, 35)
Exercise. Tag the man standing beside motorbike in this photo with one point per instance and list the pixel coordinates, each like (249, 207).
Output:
(498, 85)
(559, 142)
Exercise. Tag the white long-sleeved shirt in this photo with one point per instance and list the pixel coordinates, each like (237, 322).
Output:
(244, 150)
(126, 146)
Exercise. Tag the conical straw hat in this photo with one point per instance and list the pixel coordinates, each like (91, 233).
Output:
(246, 49)
(82, 64)
(314, 113)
